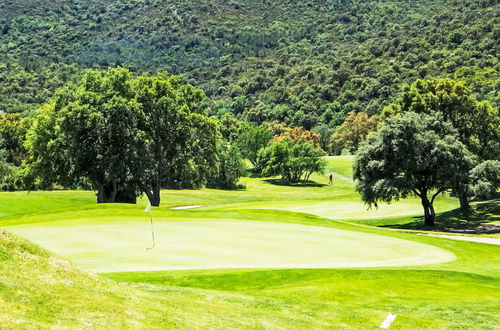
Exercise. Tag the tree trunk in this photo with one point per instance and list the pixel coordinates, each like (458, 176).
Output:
(100, 194)
(153, 194)
(429, 213)
(464, 202)
(112, 195)
(156, 195)
(149, 192)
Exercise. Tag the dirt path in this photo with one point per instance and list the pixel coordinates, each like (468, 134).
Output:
(486, 240)
(343, 178)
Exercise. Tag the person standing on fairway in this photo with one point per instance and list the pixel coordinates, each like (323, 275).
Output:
(331, 179)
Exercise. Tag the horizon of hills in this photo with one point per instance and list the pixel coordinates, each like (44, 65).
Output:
(305, 63)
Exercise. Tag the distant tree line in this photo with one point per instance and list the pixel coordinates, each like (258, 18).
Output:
(124, 135)
(304, 63)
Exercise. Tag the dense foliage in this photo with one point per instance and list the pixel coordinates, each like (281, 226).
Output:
(294, 69)
(485, 179)
(294, 161)
(251, 139)
(4, 166)
(305, 63)
(352, 132)
(477, 123)
(122, 135)
(230, 167)
(412, 154)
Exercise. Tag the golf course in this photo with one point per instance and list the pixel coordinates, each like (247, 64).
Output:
(268, 256)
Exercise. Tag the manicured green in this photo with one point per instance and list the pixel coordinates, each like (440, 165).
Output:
(428, 282)
(119, 244)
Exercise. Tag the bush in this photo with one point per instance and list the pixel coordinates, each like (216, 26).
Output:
(485, 179)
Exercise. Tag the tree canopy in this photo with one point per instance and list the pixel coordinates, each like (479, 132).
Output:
(303, 62)
(477, 123)
(412, 154)
(353, 131)
(485, 179)
(251, 140)
(294, 161)
(122, 134)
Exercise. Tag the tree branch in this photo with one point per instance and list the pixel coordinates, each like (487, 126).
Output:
(440, 190)
(415, 191)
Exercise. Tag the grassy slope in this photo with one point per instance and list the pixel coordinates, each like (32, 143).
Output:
(39, 290)
(461, 293)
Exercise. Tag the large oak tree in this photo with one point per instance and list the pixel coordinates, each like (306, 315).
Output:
(412, 154)
(123, 134)
(477, 123)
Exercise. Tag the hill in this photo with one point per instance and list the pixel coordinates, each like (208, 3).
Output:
(38, 289)
(302, 62)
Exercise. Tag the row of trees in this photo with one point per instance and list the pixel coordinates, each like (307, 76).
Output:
(436, 137)
(123, 135)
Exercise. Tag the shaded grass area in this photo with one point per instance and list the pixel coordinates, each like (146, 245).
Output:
(280, 182)
(480, 216)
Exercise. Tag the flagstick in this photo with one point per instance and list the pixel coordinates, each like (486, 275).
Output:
(152, 233)
(148, 209)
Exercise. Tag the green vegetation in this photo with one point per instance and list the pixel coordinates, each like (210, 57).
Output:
(40, 290)
(294, 161)
(411, 155)
(426, 281)
(143, 101)
(485, 179)
(354, 130)
(302, 62)
(477, 123)
(120, 135)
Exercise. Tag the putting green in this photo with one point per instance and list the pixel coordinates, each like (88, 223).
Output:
(120, 245)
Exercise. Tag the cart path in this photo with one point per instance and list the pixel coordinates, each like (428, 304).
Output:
(485, 240)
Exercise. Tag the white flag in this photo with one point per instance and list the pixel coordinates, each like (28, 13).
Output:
(148, 207)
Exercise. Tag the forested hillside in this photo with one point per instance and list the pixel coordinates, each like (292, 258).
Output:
(304, 62)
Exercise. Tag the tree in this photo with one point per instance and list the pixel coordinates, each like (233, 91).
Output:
(477, 123)
(299, 133)
(293, 160)
(412, 154)
(485, 179)
(177, 132)
(251, 140)
(230, 166)
(324, 132)
(353, 131)
(230, 127)
(90, 131)
(13, 130)
(5, 168)
(123, 134)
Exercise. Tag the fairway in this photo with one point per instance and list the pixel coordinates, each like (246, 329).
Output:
(348, 209)
(270, 256)
(120, 245)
